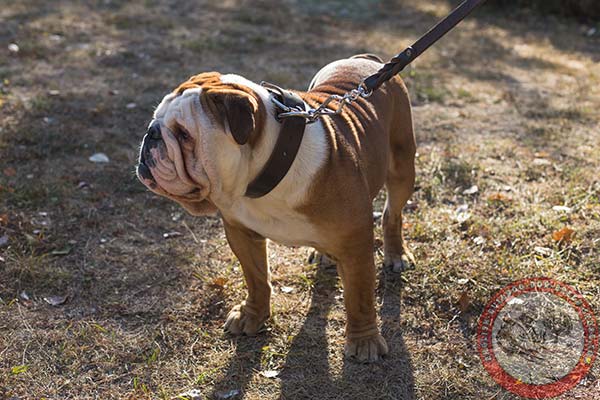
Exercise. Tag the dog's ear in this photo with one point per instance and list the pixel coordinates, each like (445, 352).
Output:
(239, 110)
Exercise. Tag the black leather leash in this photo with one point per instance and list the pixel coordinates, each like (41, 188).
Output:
(287, 144)
(391, 68)
(398, 63)
(293, 115)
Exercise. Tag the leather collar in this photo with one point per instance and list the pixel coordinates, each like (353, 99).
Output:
(287, 144)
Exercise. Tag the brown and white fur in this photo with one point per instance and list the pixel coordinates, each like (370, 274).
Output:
(214, 134)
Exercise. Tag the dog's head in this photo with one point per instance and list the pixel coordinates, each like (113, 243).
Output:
(203, 119)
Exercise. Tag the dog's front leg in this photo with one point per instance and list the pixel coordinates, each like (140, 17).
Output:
(357, 271)
(250, 248)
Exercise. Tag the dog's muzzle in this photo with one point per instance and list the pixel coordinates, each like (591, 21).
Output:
(151, 140)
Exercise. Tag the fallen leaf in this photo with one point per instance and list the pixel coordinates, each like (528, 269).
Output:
(61, 252)
(220, 281)
(269, 373)
(464, 302)
(4, 219)
(19, 369)
(99, 158)
(563, 235)
(287, 289)
(472, 190)
(10, 171)
(499, 197)
(55, 300)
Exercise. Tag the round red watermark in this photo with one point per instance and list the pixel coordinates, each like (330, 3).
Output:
(537, 337)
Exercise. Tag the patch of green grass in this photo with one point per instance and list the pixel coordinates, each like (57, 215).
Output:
(458, 172)
(425, 87)
(19, 369)
(576, 114)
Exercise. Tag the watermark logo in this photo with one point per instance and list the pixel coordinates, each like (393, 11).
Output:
(537, 337)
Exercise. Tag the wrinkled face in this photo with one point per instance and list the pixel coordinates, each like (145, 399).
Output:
(174, 160)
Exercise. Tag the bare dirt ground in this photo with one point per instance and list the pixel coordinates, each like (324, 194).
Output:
(508, 101)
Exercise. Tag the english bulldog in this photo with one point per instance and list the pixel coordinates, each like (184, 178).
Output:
(212, 136)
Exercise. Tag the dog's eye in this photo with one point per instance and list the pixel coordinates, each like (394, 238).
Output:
(182, 134)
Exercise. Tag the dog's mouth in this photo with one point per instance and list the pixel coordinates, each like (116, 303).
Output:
(161, 168)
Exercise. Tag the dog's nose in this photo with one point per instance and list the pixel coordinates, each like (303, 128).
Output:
(154, 131)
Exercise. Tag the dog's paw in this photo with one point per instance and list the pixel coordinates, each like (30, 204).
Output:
(366, 350)
(242, 320)
(399, 263)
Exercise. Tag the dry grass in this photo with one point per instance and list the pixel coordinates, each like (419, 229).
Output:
(144, 313)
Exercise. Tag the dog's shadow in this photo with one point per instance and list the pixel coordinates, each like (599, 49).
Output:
(242, 366)
(306, 373)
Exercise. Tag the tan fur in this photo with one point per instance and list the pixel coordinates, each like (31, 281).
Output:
(325, 200)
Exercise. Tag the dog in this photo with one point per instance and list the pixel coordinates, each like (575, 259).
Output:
(213, 135)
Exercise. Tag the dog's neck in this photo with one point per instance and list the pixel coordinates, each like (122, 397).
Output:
(237, 166)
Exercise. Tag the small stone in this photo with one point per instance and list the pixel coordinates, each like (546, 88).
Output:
(130, 106)
(462, 213)
(541, 162)
(564, 209)
(193, 394)
(544, 251)
(479, 240)
(472, 190)
(269, 373)
(168, 235)
(227, 394)
(99, 158)
(13, 48)
(55, 301)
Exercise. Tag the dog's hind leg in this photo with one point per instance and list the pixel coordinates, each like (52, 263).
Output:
(400, 185)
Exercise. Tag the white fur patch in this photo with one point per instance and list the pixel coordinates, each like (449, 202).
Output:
(274, 215)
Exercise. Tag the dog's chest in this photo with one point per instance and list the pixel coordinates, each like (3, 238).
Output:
(278, 223)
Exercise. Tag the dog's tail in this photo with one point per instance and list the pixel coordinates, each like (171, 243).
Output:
(368, 56)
